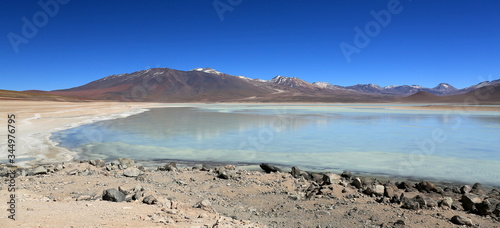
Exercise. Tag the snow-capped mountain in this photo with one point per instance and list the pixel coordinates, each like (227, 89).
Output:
(326, 85)
(479, 85)
(207, 84)
(366, 88)
(208, 70)
(443, 88)
(289, 82)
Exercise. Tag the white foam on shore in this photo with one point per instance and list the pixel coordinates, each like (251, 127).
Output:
(38, 148)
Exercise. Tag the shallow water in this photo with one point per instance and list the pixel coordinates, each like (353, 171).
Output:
(443, 145)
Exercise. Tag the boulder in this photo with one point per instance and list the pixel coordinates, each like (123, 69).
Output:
(223, 175)
(465, 189)
(389, 192)
(113, 195)
(459, 220)
(346, 174)
(150, 200)
(331, 178)
(410, 204)
(431, 203)
(377, 190)
(172, 166)
(404, 185)
(415, 203)
(425, 186)
(316, 177)
(357, 183)
(97, 163)
(38, 170)
(132, 172)
(123, 163)
(478, 189)
(470, 200)
(269, 168)
(484, 208)
(496, 212)
(446, 202)
(296, 172)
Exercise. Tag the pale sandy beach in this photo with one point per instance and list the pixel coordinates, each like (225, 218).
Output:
(35, 120)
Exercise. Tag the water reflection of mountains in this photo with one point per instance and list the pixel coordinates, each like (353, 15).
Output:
(164, 123)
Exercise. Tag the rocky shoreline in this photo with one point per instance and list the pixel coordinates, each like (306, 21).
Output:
(208, 195)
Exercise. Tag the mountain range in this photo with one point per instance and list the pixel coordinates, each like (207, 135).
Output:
(210, 85)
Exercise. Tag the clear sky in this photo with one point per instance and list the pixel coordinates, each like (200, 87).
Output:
(424, 42)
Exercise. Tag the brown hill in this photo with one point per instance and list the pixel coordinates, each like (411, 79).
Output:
(208, 85)
(423, 97)
(168, 85)
(485, 95)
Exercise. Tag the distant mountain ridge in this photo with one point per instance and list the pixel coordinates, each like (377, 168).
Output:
(210, 85)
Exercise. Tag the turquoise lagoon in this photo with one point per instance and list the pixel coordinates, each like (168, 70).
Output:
(442, 145)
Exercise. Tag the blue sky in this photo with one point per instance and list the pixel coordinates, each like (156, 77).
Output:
(425, 42)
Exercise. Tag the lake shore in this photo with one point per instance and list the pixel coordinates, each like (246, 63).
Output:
(247, 198)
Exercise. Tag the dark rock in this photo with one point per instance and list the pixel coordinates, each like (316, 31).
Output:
(269, 168)
(316, 177)
(431, 203)
(459, 220)
(150, 200)
(132, 172)
(478, 189)
(297, 173)
(421, 201)
(357, 182)
(395, 199)
(346, 174)
(113, 194)
(97, 163)
(484, 208)
(172, 166)
(38, 170)
(377, 190)
(496, 212)
(400, 223)
(425, 186)
(414, 203)
(494, 193)
(331, 178)
(124, 163)
(404, 185)
(470, 200)
(138, 195)
(223, 175)
(465, 189)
